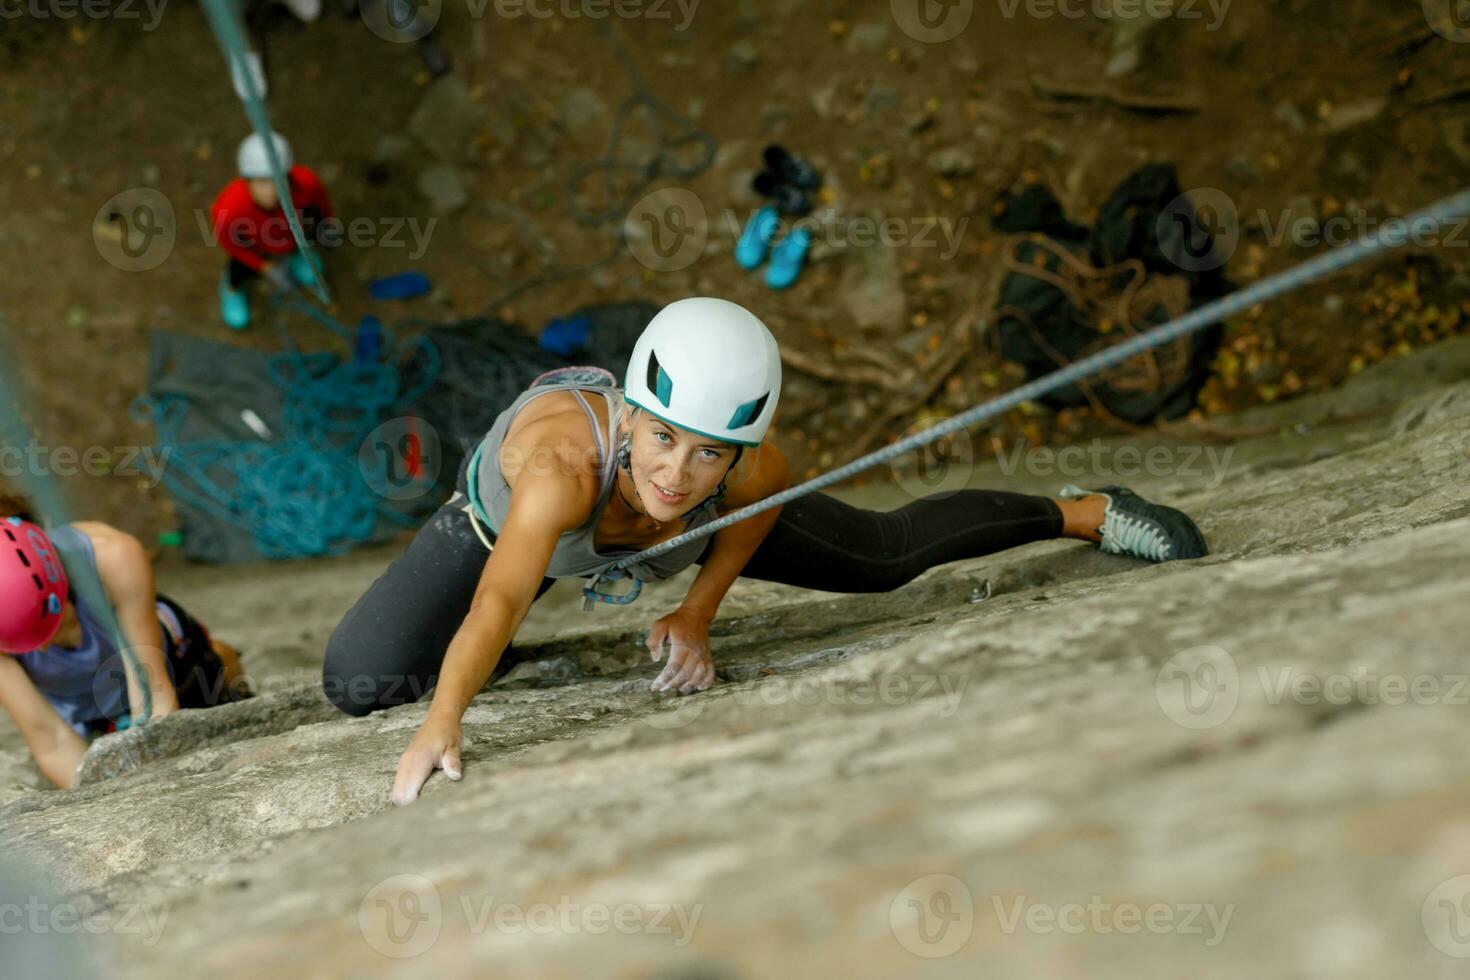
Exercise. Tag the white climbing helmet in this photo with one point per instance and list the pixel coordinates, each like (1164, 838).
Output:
(710, 366)
(252, 160)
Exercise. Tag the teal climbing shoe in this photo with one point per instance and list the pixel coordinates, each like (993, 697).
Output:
(788, 258)
(233, 305)
(755, 241)
(1133, 526)
(299, 266)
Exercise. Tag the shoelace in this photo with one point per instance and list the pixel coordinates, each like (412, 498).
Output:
(1124, 534)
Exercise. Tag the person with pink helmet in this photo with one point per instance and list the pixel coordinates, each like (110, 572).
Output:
(63, 678)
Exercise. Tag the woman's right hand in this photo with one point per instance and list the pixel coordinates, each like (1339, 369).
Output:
(436, 746)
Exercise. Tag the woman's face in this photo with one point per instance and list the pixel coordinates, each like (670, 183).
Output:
(667, 458)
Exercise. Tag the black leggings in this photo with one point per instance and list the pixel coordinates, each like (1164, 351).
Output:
(388, 649)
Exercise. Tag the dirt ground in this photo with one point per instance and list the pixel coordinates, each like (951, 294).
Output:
(1307, 107)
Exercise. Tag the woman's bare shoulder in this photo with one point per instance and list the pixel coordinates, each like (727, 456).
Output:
(769, 473)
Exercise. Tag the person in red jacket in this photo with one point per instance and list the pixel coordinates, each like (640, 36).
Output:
(251, 226)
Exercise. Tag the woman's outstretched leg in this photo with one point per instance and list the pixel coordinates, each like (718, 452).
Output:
(820, 542)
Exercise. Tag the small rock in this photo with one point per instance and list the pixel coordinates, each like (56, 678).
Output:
(953, 161)
(872, 287)
(967, 65)
(447, 119)
(151, 174)
(392, 148)
(742, 56)
(1242, 169)
(442, 185)
(1355, 114)
(881, 97)
(1334, 304)
(1288, 113)
(581, 107)
(870, 36)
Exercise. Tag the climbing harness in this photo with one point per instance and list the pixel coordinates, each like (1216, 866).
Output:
(1394, 234)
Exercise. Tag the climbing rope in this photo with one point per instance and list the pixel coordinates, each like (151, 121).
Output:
(311, 491)
(41, 489)
(224, 18)
(1394, 235)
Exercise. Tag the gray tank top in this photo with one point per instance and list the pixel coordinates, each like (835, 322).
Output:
(575, 556)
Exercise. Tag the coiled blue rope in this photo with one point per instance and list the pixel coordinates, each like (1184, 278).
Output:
(310, 492)
(1394, 234)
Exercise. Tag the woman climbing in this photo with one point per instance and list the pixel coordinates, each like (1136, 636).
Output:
(64, 679)
(563, 486)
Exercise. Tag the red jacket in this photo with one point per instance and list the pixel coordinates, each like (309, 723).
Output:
(254, 236)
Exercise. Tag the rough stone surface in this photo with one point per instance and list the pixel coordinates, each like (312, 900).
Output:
(1117, 770)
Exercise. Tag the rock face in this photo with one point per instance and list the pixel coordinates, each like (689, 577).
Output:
(1247, 765)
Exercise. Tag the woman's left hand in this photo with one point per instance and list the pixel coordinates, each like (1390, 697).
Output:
(690, 667)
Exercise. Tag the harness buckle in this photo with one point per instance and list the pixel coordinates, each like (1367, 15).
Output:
(590, 595)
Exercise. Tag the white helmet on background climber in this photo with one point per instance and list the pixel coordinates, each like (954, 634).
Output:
(252, 161)
(710, 366)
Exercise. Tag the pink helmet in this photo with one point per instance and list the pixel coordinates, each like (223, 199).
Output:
(33, 587)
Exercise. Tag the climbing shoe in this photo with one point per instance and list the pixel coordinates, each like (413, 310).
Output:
(791, 169)
(787, 197)
(233, 306)
(755, 240)
(788, 258)
(1133, 526)
(300, 268)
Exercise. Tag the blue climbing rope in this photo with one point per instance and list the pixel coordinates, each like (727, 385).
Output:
(311, 491)
(1395, 234)
(224, 18)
